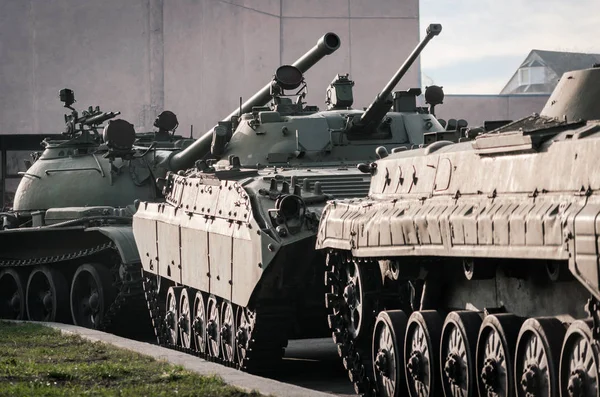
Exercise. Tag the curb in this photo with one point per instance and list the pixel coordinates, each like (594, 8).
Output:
(200, 366)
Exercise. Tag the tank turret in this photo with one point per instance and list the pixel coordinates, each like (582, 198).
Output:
(288, 132)
(575, 96)
(326, 45)
(375, 113)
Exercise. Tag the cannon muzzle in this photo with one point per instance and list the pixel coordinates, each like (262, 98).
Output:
(326, 45)
(380, 106)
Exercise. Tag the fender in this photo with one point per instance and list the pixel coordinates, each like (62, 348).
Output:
(122, 236)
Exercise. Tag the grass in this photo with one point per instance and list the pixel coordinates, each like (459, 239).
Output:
(40, 361)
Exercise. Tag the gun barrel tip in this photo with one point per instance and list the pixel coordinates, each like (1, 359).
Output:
(331, 41)
(434, 28)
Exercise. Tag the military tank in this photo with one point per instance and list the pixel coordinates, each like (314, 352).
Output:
(230, 269)
(68, 252)
(472, 268)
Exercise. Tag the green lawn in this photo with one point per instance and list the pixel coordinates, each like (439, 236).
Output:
(40, 361)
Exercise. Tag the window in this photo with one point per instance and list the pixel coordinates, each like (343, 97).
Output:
(532, 75)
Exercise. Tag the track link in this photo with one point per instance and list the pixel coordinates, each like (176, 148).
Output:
(355, 352)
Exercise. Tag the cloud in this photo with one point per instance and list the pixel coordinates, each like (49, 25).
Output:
(483, 41)
(479, 86)
(477, 29)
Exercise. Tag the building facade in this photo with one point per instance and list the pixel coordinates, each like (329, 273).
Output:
(193, 57)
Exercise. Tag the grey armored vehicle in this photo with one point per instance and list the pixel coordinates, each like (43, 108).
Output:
(230, 269)
(67, 251)
(471, 269)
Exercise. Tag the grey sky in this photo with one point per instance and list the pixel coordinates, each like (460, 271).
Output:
(483, 42)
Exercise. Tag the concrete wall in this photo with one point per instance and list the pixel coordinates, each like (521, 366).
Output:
(478, 108)
(97, 48)
(194, 57)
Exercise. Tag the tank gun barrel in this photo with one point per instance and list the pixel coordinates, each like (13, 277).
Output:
(326, 45)
(379, 107)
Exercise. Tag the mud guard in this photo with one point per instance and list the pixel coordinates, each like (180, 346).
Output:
(122, 236)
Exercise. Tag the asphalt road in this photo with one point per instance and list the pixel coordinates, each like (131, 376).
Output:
(309, 363)
(315, 364)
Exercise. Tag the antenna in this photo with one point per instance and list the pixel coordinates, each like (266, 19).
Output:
(191, 131)
(240, 114)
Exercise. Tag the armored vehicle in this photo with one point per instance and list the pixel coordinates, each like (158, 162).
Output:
(230, 269)
(67, 246)
(471, 269)
(67, 249)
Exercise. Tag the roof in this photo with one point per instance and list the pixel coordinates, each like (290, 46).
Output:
(561, 62)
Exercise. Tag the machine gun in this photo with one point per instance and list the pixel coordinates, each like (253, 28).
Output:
(91, 118)
(368, 122)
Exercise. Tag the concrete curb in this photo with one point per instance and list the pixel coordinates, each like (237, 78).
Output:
(230, 376)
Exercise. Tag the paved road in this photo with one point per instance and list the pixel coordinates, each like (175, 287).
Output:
(310, 363)
(315, 364)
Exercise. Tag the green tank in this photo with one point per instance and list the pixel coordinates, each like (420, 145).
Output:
(230, 269)
(68, 252)
(471, 269)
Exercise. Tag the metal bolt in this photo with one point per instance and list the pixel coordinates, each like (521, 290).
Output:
(170, 319)
(241, 337)
(226, 332)
(576, 387)
(414, 365)
(211, 329)
(489, 375)
(381, 362)
(452, 368)
(182, 322)
(530, 380)
(198, 324)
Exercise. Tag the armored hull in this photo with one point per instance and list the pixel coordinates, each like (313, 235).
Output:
(477, 262)
(225, 247)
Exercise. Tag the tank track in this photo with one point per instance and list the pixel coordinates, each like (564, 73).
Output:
(44, 260)
(125, 276)
(355, 353)
(266, 344)
(573, 342)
